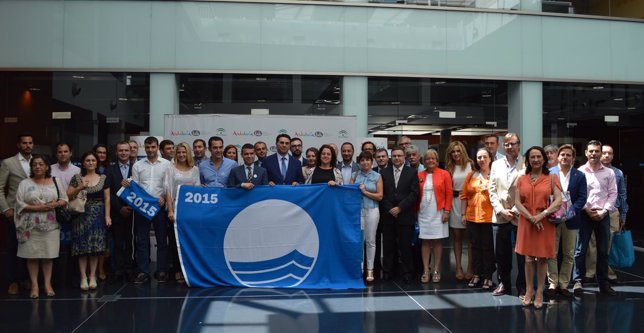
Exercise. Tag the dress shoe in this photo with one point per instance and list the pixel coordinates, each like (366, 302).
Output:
(162, 277)
(500, 290)
(142, 278)
(14, 288)
(613, 282)
(607, 289)
(578, 289)
(565, 293)
(551, 292)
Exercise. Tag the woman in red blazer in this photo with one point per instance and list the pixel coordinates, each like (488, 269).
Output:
(434, 205)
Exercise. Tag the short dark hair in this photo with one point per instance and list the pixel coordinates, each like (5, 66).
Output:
(485, 137)
(247, 146)
(347, 143)
(368, 143)
(334, 158)
(380, 150)
(365, 155)
(398, 148)
(594, 143)
(295, 138)
(60, 144)
(164, 143)
(214, 138)
(283, 135)
(150, 140)
(199, 140)
(24, 134)
(528, 167)
(259, 143)
(31, 165)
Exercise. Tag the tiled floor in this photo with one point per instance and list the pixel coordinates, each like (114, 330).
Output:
(383, 307)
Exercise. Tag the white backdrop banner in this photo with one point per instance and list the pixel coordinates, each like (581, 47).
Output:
(240, 129)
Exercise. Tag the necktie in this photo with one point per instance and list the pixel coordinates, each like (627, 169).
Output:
(250, 173)
(124, 170)
(284, 168)
(396, 176)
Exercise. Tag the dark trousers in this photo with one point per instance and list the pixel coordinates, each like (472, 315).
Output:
(602, 235)
(173, 254)
(482, 242)
(397, 239)
(122, 234)
(142, 227)
(503, 250)
(15, 269)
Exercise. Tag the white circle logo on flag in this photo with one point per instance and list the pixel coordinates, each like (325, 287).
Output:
(271, 243)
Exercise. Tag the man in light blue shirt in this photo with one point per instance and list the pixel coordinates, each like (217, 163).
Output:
(215, 172)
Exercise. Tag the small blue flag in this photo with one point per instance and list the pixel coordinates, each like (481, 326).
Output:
(140, 200)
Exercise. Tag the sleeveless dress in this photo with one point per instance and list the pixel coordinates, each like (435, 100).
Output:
(458, 180)
(534, 197)
(88, 229)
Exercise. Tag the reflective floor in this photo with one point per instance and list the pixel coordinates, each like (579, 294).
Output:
(383, 307)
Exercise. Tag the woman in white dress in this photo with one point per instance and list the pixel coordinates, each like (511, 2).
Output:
(434, 205)
(459, 164)
(183, 172)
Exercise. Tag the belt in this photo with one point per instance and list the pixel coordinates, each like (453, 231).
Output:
(456, 193)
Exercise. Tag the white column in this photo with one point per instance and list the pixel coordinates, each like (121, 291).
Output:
(355, 101)
(164, 99)
(525, 112)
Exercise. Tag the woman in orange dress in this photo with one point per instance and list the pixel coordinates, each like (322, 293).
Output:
(536, 235)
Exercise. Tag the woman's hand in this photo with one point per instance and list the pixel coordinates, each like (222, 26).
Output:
(445, 216)
(108, 221)
(331, 182)
(171, 216)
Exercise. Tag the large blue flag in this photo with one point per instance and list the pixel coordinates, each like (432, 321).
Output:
(304, 236)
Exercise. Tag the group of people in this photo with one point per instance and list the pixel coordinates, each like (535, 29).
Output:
(492, 200)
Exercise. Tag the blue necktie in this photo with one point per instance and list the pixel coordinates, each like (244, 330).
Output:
(124, 170)
(284, 168)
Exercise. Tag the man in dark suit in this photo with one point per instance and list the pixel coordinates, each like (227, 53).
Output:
(247, 175)
(282, 168)
(398, 215)
(121, 213)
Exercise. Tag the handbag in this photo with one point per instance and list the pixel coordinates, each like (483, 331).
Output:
(560, 215)
(77, 205)
(62, 215)
(622, 253)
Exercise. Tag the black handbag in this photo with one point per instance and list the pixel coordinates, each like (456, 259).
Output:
(62, 215)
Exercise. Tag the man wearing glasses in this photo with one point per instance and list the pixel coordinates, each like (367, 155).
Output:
(503, 178)
(296, 149)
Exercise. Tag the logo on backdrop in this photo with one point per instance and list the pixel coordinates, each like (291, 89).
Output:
(190, 133)
(343, 134)
(287, 254)
(282, 131)
(220, 132)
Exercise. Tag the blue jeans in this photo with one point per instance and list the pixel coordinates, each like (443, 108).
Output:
(602, 235)
(142, 227)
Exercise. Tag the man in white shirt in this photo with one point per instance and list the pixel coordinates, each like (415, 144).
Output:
(64, 170)
(150, 174)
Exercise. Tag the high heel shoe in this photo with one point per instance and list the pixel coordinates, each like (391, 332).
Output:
(92, 283)
(538, 303)
(474, 282)
(33, 294)
(436, 277)
(369, 275)
(527, 300)
(425, 277)
(83, 285)
(459, 275)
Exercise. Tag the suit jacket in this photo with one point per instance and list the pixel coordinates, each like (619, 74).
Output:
(11, 174)
(404, 196)
(442, 183)
(293, 171)
(503, 190)
(239, 175)
(578, 193)
(114, 178)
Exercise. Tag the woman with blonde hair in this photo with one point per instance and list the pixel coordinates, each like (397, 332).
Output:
(459, 164)
(183, 172)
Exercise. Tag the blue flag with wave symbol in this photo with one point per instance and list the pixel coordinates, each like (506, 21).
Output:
(305, 236)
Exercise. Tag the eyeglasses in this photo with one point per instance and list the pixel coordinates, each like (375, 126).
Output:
(510, 144)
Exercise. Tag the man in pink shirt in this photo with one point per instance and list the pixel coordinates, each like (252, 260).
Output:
(602, 194)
